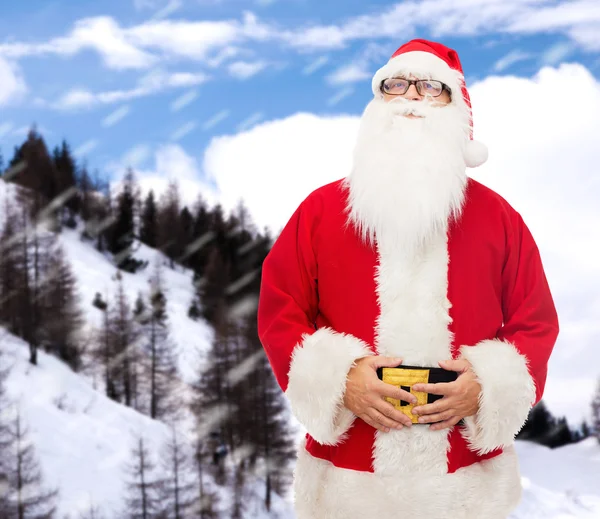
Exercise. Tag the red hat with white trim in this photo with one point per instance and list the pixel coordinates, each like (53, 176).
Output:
(430, 60)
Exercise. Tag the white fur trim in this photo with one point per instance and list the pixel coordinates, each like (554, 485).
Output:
(317, 383)
(476, 154)
(507, 394)
(413, 325)
(490, 489)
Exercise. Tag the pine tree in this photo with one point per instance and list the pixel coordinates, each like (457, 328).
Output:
(178, 489)
(170, 239)
(125, 336)
(122, 233)
(9, 268)
(62, 318)
(196, 252)
(158, 351)
(37, 174)
(539, 425)
(66, 182)
(26, 498)
(207, 500)
(104, 354)
(86, 194)
(143, 499)
(595, 426)
(271, 434)
(212, 290)
(149, 222)
(560, 435)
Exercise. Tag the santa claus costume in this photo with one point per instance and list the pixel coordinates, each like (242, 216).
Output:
(408, 257)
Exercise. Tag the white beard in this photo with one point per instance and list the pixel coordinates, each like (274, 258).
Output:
(409, 175)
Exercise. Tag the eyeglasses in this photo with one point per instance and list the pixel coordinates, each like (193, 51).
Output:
(425, 87)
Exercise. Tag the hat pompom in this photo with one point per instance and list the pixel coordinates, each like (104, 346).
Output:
(476, 153)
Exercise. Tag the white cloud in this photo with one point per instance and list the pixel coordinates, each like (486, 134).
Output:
(12, 84)
(579, 20)
(142, 45)
(511, 58)
(287, 158)
(171, 162)
(213, 41)
(246, 69)
(154, 82)
(543, 160)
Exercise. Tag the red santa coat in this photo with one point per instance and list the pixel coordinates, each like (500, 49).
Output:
(477, 290)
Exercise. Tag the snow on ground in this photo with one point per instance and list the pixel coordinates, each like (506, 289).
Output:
(84, 442)
(559, 483)
(83, 439)
(95, 273)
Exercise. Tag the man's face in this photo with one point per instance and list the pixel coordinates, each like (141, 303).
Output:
(413, 94)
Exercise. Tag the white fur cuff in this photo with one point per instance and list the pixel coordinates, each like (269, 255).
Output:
(507, 394)
(317, 383)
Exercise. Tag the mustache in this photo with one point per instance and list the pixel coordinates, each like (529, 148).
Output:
(401, 106)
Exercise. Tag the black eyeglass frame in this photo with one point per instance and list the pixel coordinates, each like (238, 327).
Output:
(415, 82)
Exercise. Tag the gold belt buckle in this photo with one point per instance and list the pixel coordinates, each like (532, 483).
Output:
(405, 378)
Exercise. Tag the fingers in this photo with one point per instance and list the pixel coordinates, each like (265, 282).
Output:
(439, 406)
(441, 388)
(387, 409)
(383, 420)
(459, 365)
(395, 392)
(386, 362)
(375, 423)
(446, 424)
(437, 417)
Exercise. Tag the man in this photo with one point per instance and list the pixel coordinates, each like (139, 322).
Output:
(407, 261)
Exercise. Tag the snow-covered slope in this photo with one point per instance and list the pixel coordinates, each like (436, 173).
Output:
(559, 483)
(95, 273)
(83, 440)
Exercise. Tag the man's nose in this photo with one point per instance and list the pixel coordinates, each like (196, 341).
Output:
(412, 93)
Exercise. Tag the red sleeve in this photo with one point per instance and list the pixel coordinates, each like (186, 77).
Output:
(288, 299)
(297, 352)
(512, 367)
(530, 318)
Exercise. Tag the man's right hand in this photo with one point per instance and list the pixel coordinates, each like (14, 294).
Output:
(365, 392)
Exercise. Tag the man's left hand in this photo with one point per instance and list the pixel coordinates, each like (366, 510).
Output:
(460, 398)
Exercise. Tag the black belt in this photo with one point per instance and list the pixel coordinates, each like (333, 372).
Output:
(405, 377)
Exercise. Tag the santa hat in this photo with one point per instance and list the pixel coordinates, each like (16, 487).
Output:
(431, 60)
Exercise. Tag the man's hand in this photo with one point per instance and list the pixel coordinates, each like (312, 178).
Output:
(365, 392)
(460, 398)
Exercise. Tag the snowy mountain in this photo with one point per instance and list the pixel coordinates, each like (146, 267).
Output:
(84, 440)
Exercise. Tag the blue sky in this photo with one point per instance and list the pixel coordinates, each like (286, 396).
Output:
(118, 75)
